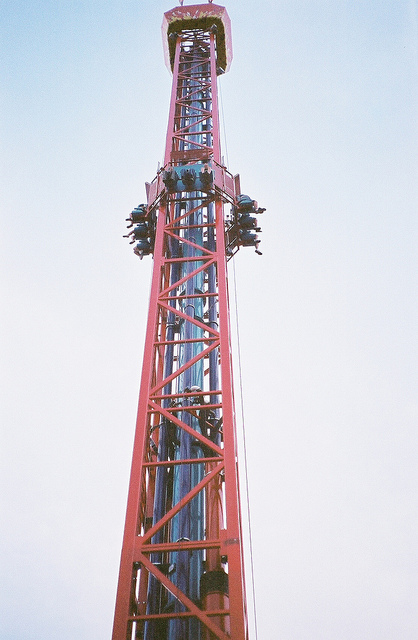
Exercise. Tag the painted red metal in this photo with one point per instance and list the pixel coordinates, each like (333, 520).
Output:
(190, 273)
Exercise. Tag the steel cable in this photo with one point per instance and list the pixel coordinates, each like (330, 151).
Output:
(250, 540)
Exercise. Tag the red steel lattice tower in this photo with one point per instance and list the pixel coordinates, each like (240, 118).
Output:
(182, 573)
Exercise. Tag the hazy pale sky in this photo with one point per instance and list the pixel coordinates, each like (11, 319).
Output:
(321, 121)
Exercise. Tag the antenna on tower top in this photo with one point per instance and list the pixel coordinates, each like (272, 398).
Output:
(181, 2)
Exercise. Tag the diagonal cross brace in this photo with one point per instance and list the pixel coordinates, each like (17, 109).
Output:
(208, 443)
(189, 242)
(181, 597)
(183, 315)
(205, 265)
(186, 366)
(182, 503)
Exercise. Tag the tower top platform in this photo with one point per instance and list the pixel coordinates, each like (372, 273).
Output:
(198, 16)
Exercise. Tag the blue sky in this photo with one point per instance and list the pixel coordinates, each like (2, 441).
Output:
(320, 120)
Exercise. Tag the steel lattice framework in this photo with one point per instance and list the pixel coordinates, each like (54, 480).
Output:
(181, 574)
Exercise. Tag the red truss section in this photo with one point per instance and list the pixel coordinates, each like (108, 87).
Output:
(181, 574)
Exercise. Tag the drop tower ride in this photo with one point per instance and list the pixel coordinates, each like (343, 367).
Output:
(182, 570)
